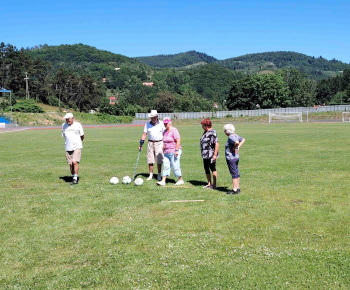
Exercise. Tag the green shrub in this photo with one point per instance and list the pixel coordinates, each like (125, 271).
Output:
(27, 106)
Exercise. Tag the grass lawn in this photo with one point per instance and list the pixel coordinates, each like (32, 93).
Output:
(289, 228)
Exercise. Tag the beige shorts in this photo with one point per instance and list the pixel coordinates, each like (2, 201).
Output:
(72, 156)
(155, 152)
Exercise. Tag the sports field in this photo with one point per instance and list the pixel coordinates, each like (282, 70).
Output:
(288, 229)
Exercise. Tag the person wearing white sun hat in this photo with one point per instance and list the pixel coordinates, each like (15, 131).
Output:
(154, 129)
(73, 134)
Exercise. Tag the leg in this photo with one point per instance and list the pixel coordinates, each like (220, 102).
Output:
(75, 165)
(177, 168)
(215, 178)
(150, 169)
(166, 170)
(158, 156)
(235, 183)
(208, 179)
(214, 172)
(150, 159)
(75, 168)
(206, 164)
(233, 168)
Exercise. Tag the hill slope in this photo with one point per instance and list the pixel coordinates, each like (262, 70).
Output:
(283, 59)
(176, 60)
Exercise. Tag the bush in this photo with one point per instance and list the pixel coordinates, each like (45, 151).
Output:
(27, 106)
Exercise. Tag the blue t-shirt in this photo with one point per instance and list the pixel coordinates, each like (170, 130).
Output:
(230, 152)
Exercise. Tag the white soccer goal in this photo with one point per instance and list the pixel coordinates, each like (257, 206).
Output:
(345, 116)
(286, 117)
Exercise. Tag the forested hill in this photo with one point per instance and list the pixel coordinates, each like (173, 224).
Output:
(79, 55)
(317, 68)
(283, 59)
(176, 60)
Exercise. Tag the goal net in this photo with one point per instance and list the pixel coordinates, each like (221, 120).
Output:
(345, 116)
(286, 117)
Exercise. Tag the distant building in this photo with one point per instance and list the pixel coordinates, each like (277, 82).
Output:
(148, 84)
(112, 100)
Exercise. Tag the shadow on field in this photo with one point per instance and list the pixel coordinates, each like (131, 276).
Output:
(145, 175)
(67, 178)
(202, 184)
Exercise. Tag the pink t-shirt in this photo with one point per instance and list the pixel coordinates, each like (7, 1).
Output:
(169, 140)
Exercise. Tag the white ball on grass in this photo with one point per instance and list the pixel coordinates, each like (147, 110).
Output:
(138, 181)
(114, 180)
(126, 180)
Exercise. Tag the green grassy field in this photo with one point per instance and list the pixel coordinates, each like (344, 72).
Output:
(289, 228)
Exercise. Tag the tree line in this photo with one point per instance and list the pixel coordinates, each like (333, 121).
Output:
(83, 78)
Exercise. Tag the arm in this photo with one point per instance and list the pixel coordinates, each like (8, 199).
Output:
(216, 151)
(178, 141)
(142, 140)
(240, 144)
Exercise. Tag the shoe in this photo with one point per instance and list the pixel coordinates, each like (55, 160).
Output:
(75, 181)
(207, 186)
(159, 177)
(179, 182)
(161, 183)
(234, 191)
(150, 177)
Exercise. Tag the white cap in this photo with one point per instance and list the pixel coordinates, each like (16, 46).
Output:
(68, 115)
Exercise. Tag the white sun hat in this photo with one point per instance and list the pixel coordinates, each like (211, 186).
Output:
(153, 113)
(68, 115)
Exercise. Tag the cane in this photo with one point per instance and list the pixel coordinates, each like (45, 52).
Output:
(137, 161)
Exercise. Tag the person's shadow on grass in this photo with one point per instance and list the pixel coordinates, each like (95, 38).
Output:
(145, 175)
(202, 184)
(67, 178)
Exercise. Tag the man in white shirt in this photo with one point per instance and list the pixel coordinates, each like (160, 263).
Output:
(154, 129)
(73, 134)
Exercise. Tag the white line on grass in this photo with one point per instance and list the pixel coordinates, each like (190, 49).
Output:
(193, 200)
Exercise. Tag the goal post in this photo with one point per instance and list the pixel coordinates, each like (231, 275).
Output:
(345, 116)
(286, 117)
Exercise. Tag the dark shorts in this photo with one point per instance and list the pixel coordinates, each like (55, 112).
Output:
(233, 167)
(208, 165)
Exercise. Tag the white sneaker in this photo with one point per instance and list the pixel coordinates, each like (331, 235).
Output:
(161, 183)
(179, 182)
(150, 177)
(159, 177)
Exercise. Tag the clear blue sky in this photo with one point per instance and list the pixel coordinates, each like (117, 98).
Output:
(222, 29)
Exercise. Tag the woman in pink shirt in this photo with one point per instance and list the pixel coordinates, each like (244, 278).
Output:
(172, 152)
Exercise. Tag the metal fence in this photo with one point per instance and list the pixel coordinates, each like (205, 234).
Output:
(245, 113)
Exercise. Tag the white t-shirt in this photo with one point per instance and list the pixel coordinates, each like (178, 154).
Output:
(72, 136)
(155, 133)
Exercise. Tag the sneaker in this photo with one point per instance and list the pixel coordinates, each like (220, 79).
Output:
(159, 177)
(179, 182)
(75, 181)
(150, 177)
(161, 183)
(233, 191)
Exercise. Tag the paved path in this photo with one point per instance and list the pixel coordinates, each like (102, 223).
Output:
(13, 128)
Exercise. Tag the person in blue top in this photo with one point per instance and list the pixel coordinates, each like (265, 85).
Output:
(232, 146)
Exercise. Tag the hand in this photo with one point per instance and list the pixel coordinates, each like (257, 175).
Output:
(214, 158)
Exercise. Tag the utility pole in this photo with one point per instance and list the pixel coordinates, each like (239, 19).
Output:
(27, 89)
